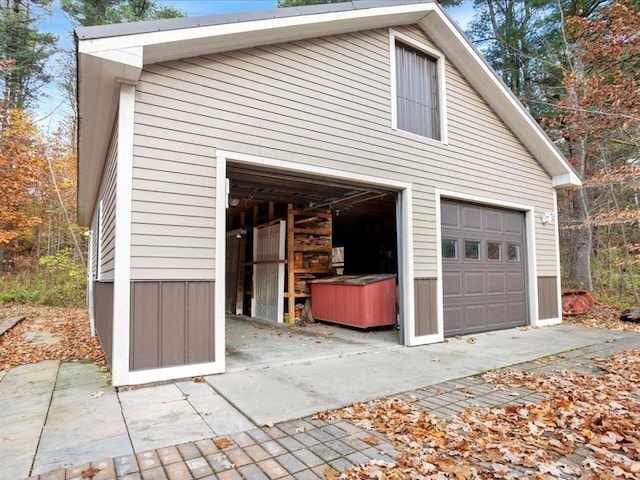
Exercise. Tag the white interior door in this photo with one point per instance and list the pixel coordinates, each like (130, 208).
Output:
(268, 272)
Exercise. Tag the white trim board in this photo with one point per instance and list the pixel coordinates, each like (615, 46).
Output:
(122, 257)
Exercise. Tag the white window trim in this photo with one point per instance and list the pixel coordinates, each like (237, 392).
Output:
(98, 272)
(442, 97)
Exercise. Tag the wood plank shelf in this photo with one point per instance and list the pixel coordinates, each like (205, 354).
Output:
(309, 243)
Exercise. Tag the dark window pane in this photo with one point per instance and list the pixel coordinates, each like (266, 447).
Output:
(471, 250)
(449, 248)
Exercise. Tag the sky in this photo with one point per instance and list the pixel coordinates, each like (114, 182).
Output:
(51, 108)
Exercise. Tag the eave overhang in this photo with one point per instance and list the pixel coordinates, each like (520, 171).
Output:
(109, 55)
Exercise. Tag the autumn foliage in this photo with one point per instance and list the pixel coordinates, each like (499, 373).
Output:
(21, 168)
(40, 251)
(600, 123)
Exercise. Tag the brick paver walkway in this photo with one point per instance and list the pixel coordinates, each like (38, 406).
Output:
(307, 449)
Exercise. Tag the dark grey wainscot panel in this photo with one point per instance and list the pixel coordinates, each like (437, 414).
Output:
(172, 323)
(426, 313)
(103, 311)
(547, 297)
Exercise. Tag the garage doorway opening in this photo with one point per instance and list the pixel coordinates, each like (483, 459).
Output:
(295, 243)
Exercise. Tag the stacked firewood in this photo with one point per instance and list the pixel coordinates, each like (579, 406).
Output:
(302, 240)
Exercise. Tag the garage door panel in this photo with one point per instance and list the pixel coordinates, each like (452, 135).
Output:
(454, 317)
(513, 223)
(515, 282)
(493, 222)
(474, 316)
(496, 312)
(471, 218)
(496, 283)
(473, 283)
(487, 291)
(451, 283)
(449, 216)
(516, 311)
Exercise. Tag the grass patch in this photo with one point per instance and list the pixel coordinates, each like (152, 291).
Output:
(58, 281)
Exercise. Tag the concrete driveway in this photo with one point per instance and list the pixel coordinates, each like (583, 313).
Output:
(55, 415)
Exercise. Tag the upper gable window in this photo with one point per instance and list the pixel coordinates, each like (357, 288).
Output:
(419, 86)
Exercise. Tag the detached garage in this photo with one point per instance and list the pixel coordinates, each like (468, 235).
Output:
(370, 134)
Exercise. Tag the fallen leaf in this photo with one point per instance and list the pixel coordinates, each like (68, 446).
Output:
(97, 394)
(330, 474)
(223, 443)
(371, 440)
(198, 379)
(90, 472)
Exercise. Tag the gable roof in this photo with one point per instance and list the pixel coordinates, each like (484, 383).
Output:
(110, 54)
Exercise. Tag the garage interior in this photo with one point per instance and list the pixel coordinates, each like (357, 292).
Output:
(335, 232)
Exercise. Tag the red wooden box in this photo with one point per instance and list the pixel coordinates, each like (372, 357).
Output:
(361, 301)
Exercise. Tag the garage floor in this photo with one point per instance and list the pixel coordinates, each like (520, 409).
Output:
(253, 343)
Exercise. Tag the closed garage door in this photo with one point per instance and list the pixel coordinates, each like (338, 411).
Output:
(483, 268)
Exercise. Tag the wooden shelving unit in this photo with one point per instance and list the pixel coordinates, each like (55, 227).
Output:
(309, 245)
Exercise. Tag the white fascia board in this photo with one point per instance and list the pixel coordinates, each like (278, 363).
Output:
(569, 179)
(444, 33)
(131, 56)
(187, 42)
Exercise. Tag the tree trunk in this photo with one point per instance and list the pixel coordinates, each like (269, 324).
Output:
(580, 245)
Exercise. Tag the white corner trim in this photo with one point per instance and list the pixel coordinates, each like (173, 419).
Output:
(406, 269)
(427, 339)
(439, 287)
(532, 266)
(91, 284)
(99, 238)
(442, 85)
(139, 377)
(122, 258)
(558, 270)
(220, 262)
(547, 322)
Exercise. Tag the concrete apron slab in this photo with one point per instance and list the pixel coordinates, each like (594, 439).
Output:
(84, 420)
(25, 393)
(283, 392)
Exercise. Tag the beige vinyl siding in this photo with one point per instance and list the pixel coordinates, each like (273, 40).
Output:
(326, 102)
(173, 214)
(105, 240)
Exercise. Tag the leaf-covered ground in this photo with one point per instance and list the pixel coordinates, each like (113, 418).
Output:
(602, 316)
(587, 428)
(47, 333)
